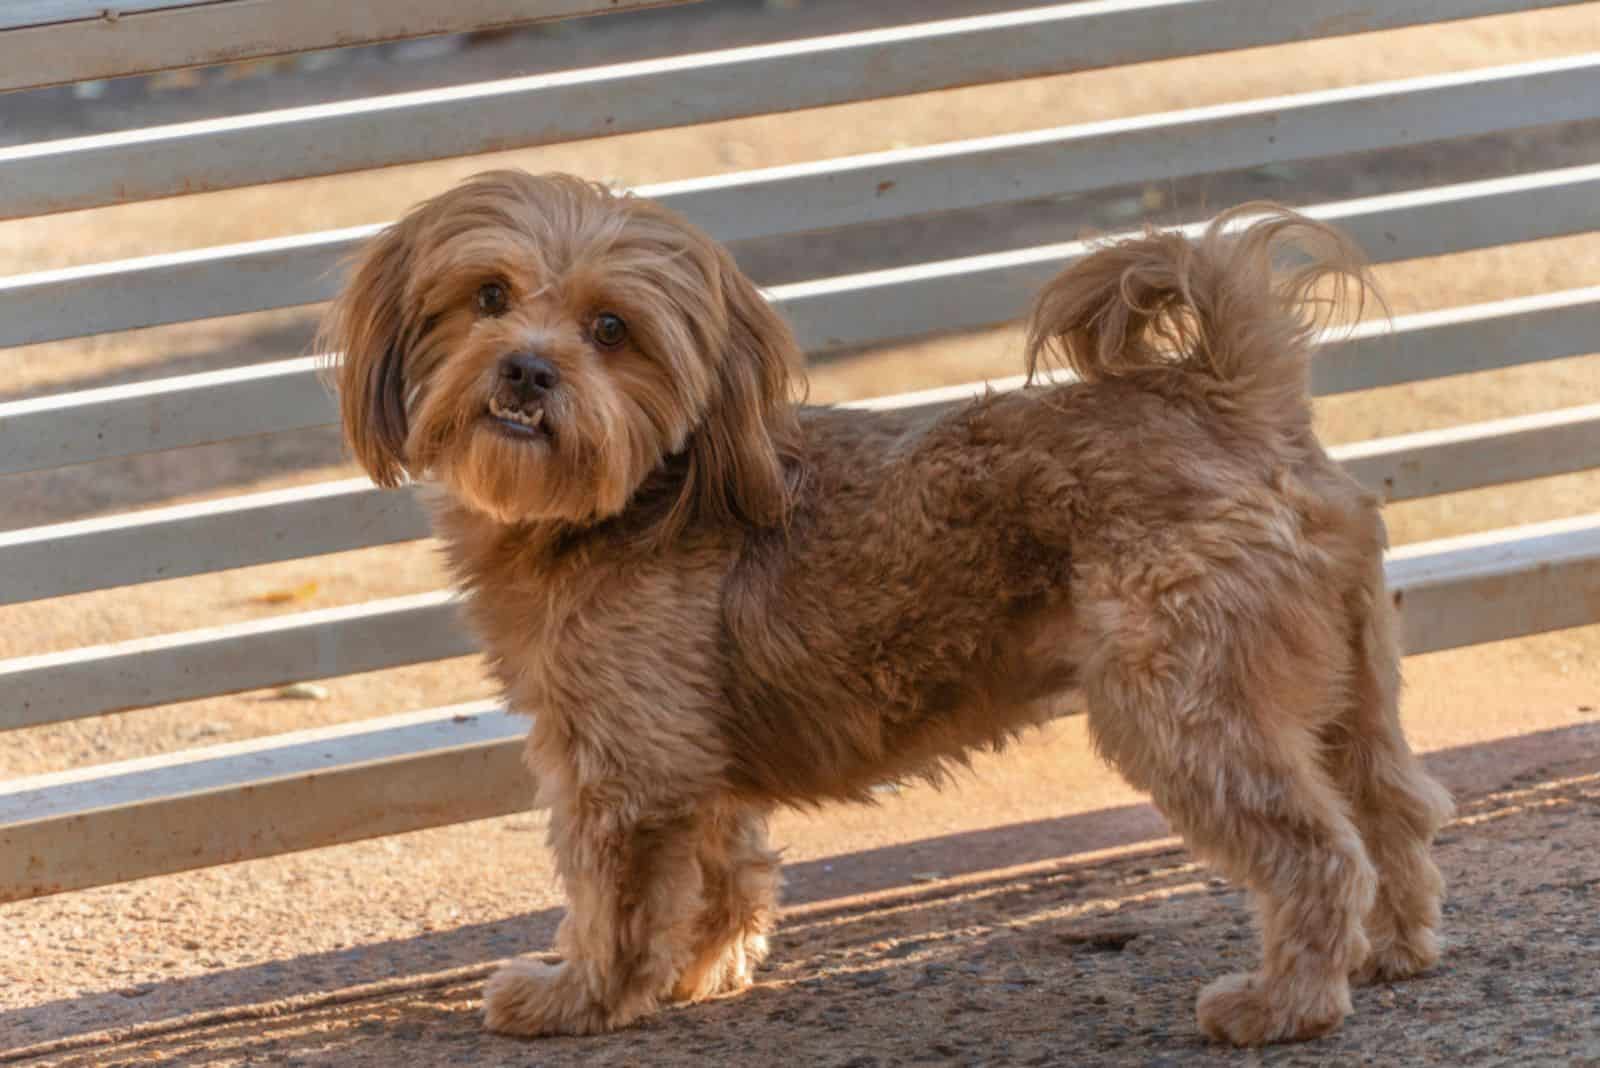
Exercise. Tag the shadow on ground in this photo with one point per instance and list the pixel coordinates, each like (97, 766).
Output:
(1022, 952)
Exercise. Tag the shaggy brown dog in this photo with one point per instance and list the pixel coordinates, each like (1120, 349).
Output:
(714, 602)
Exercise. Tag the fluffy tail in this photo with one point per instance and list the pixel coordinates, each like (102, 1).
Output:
(1229, 305)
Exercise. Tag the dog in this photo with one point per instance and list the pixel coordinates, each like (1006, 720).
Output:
(714, 601)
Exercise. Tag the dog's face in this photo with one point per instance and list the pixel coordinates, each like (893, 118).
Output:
(540, 345)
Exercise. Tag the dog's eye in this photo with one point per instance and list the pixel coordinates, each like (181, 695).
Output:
(492, 299)
(608, 330)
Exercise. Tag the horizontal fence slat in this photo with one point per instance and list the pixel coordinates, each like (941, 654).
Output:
(905, 303)
(543, 109)
(19, 14)
(67, 42)
(230, 658)
(877, 187)
(1460, 340)
(1459, 458)
(316, 788)
(260, 798)
(1508, 583)
(194, 539)
(175, 287)
(168, 413)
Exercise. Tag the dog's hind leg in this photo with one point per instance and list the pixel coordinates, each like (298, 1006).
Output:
(1395, 803)
(741, 892)
(1214, 716)
(635, 887)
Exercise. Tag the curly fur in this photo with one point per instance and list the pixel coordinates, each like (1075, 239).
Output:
(714, 602)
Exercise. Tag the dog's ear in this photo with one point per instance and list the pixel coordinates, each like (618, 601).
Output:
(737, 466)
(366, 331)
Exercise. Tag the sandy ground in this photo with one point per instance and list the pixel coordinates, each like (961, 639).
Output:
(914, 937)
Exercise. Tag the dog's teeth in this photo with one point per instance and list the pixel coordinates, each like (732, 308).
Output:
(528, 419)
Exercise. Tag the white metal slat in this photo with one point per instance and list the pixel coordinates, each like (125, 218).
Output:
(876, 187)
(652, 94)
(912, 302)
(168, 413)
(195, 539)
(259, 798)
(23, 13)
(60, 41)
(1410, 466)
(314, 788)
(1502, 584)
(50, 687)
(174, 287)
(1461, 340)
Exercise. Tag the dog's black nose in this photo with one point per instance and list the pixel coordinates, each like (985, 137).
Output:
(529, 374)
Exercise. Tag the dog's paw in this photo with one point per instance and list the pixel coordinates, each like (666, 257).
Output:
(739, 971)
(731, 973)
(1243, 1010)
(756, 948)
(1393, 959)
(532, 998)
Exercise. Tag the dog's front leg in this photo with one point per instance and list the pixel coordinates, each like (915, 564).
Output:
(740, 902)
(634, 889)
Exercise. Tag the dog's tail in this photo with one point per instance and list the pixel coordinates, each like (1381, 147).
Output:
(1229, 305)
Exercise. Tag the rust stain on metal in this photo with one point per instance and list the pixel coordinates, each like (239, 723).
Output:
(30, 890)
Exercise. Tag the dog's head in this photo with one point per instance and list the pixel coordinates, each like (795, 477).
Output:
(540, 346)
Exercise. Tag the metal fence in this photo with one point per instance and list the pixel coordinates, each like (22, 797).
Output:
(311, 788)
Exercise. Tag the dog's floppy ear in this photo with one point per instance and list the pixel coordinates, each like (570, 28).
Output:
(366, 331)
(737, 466)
